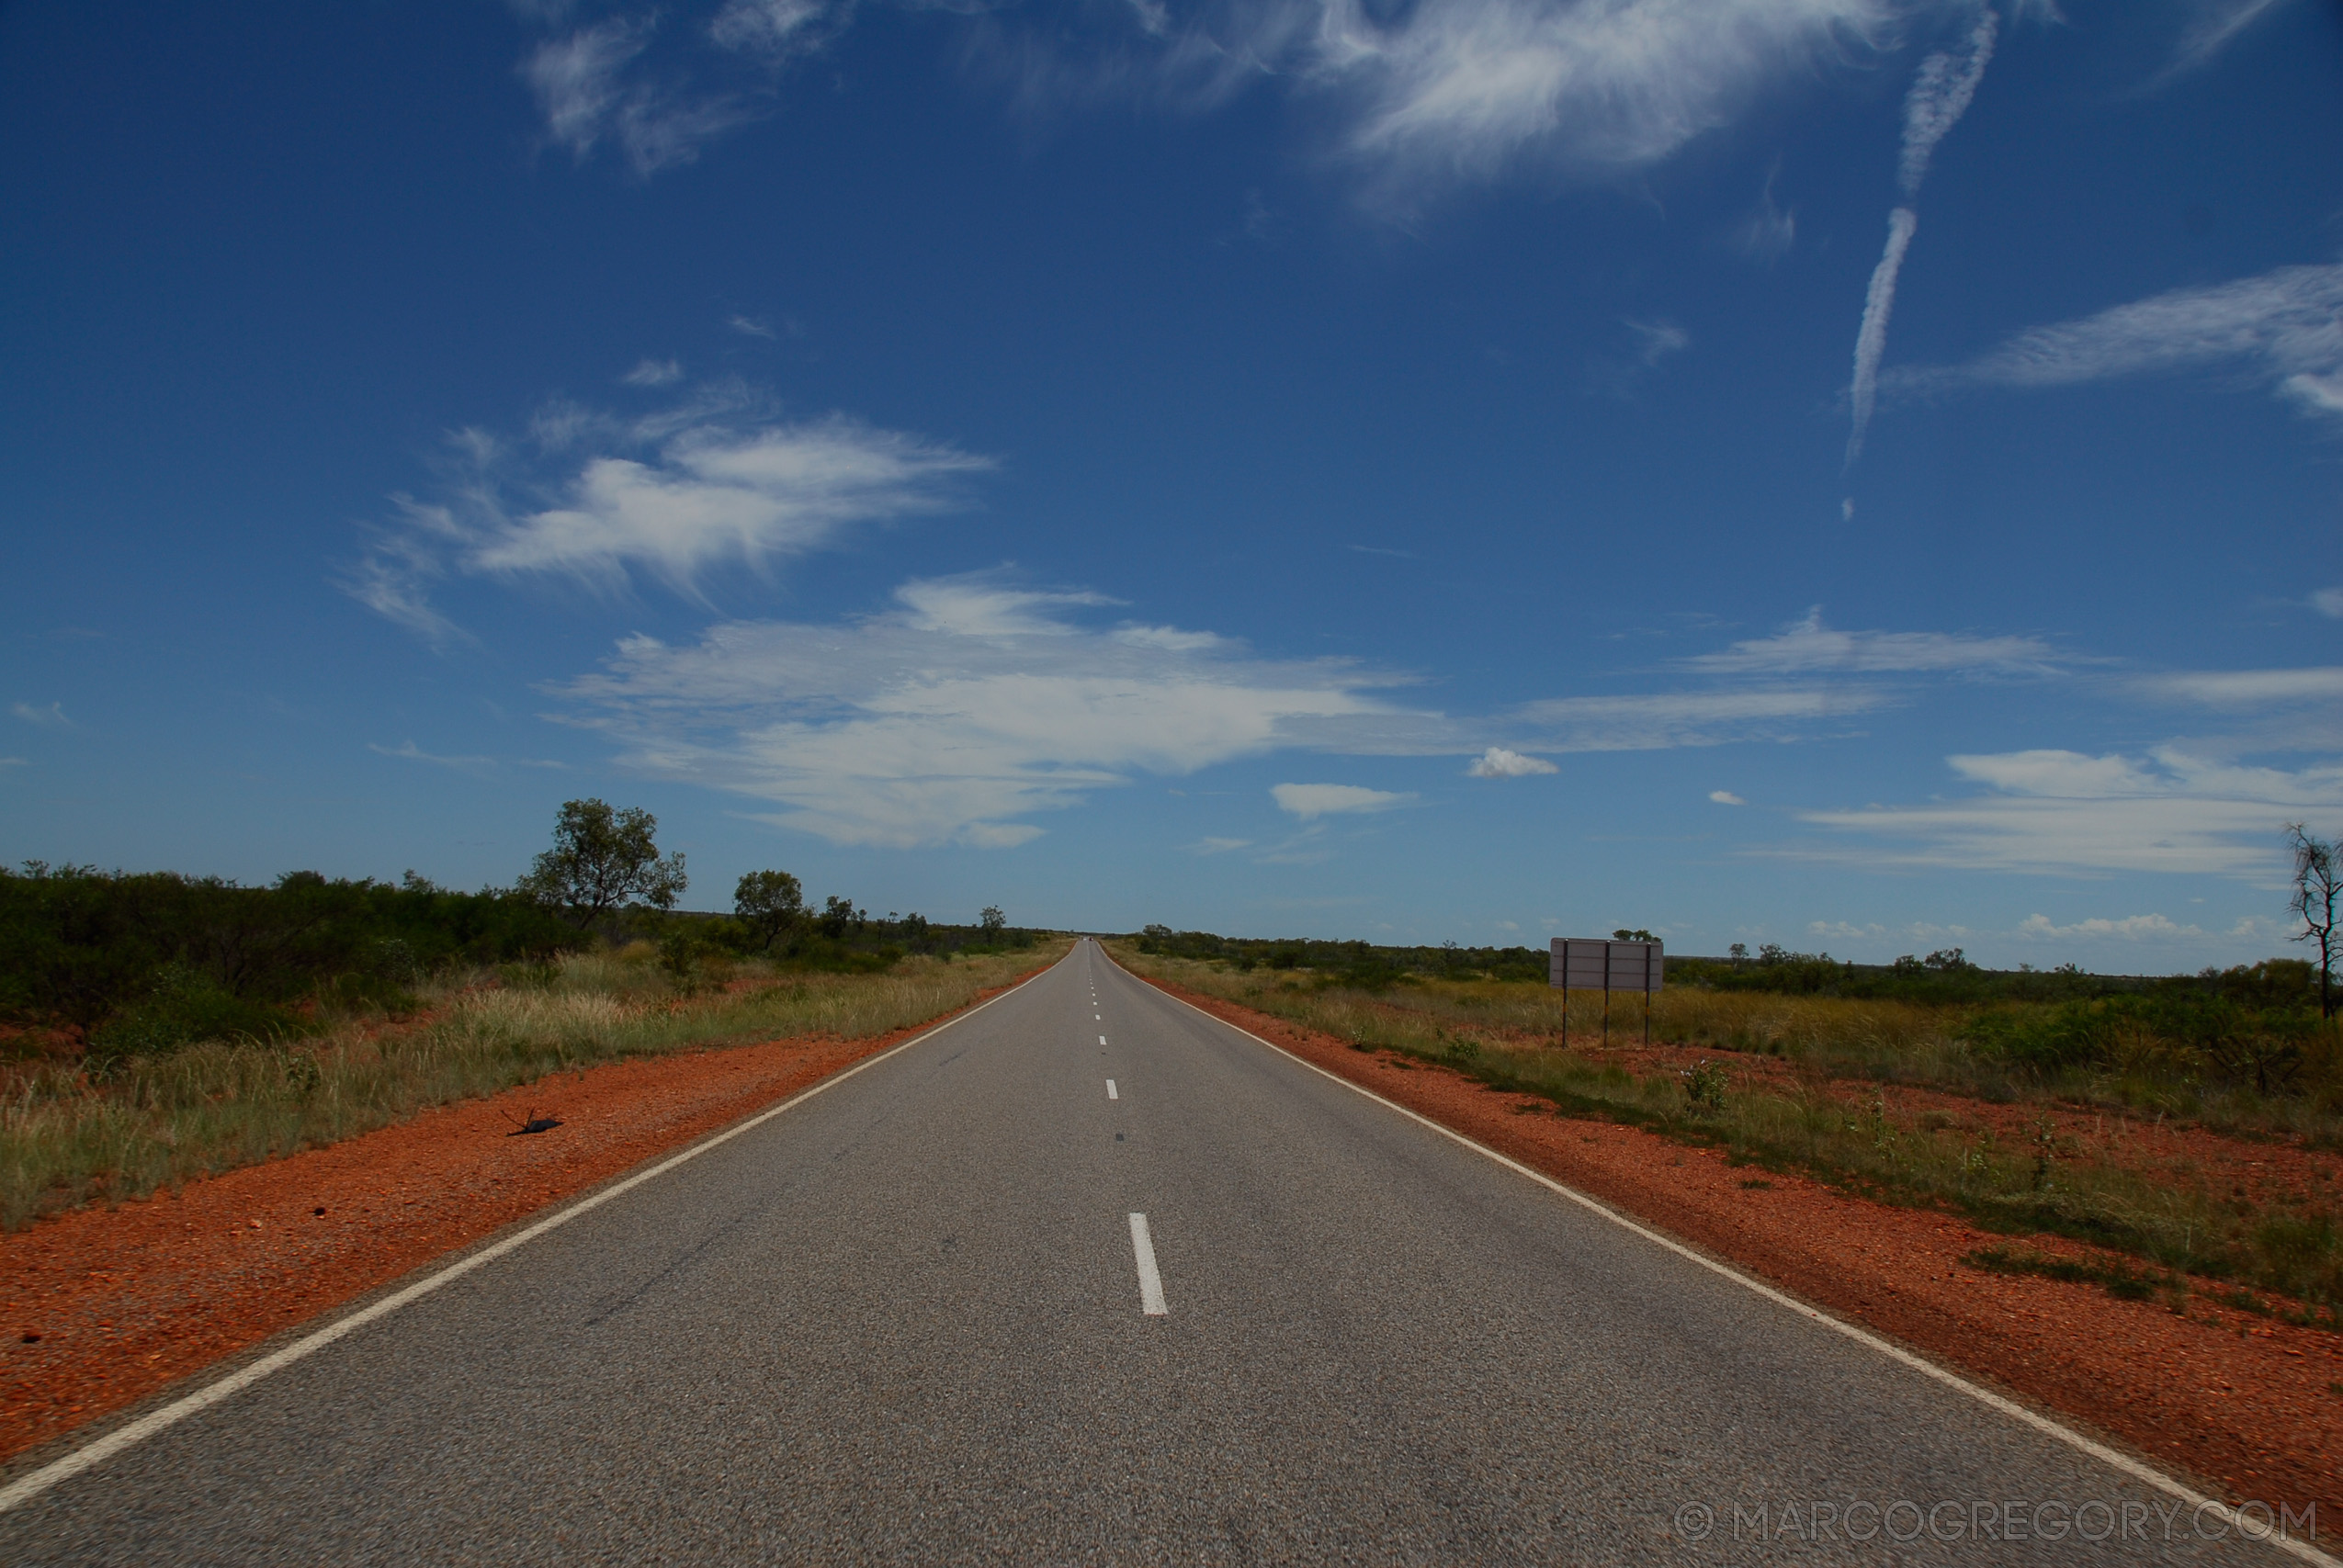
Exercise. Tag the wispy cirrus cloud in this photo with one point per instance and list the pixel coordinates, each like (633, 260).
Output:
(654, 373)
(50, 718)
(2284, 328)
(1311, 801)
(2058, 811)
(968, 705)
(408, 751)
(2297, 710)
(1465, 90)
(594, 85)
(1809, 647)
(972, 703)
(582, 88)
(2243, 689)
(673, 496)
(2216, 25)
(1422, 97)
(1659, 721)
(1768, 234)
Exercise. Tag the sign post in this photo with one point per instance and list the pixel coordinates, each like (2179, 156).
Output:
(1586, 963)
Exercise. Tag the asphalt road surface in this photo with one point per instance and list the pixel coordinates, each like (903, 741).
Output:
(975, 1305)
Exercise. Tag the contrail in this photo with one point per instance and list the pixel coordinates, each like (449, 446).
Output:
(1940, 93)
(1871, 340)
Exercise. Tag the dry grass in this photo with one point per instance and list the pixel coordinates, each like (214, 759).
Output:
(1829, 1116)
(66, 1140)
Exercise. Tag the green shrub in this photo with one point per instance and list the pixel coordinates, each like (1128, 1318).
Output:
(186, 1007)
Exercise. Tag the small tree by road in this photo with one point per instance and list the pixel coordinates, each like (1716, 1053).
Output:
(602, 861)
(994, 922)
(769, 903)
(2318, 883)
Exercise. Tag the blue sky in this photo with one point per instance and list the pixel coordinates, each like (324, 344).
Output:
(1860, 473)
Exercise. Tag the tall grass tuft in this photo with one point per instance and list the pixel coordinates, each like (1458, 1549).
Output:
(68, 1137)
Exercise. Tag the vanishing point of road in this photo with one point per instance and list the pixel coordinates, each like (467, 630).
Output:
(1087, 1276)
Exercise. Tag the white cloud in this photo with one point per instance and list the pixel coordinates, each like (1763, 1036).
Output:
(1726, 797)
(1809, 647)
(713, 496)
(2329, 602)
(1308, 801)
(594, 85)
(2251, 688)
(2065, 811)
(1463, 89)
(14, 762)
(1666, 719)
(975, 701)
(2286, 325)
(990, 607)
(695, 492)
(654, 373)
(409, 751)
(579, 82)
(1767, 234)
(749, 326)
(2218, 22)
(1219, 846)
(1497, 763)
(1655, 341)
(1171, 638)
(771, 30)
(52, 716)
(2133, 926)
(576, 80)
(970, 704)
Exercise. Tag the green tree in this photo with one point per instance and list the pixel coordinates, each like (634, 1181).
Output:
(993, 921)
(602, 861)
(2319, 882)
(769, 903)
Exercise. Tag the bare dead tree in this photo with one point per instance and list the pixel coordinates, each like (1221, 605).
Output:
(2318, 883)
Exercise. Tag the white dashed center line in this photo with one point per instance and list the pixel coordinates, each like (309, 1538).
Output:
(1102, 1040)
(1151, 1282)
(1110, 1090)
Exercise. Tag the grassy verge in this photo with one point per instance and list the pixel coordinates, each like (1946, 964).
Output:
(67, 1138)
(1830, 1119)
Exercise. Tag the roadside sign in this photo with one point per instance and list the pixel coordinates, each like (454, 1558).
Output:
(1601, 963)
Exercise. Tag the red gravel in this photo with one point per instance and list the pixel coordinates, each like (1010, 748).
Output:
(2251, 1408)
(123, 1301)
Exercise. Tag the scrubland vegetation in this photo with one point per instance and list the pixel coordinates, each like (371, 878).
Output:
(1930, 1081)
(70, 1135)
(157, 1027)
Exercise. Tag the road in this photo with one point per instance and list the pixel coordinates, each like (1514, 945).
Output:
(906, 1320)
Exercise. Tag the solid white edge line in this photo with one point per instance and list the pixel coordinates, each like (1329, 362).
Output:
(64, 1468)
(1150, 1281)
(2170, 1487)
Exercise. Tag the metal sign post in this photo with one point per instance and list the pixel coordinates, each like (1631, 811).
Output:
(1581, 963)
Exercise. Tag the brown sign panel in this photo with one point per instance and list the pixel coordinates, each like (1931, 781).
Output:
(1597, 964)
